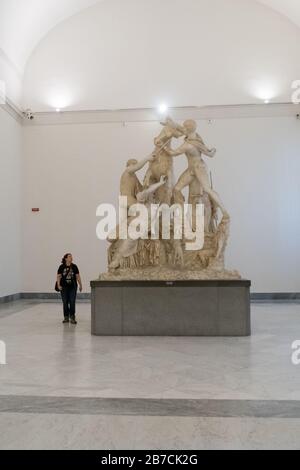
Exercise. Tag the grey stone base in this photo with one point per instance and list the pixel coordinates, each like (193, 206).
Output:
(180, 308)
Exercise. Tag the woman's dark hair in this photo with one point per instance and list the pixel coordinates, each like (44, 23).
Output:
(64, 260)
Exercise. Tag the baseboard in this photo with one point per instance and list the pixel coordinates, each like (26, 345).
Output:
(10, 298)
(255, 297)
(39, 296)
(50, 296)
(275, 297)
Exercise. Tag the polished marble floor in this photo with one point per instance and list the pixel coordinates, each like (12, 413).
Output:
(63, 388)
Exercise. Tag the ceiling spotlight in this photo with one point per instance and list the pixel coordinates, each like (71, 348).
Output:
(163, 108)
(265, 89)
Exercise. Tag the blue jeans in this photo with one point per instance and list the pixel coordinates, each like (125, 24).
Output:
(68, 296)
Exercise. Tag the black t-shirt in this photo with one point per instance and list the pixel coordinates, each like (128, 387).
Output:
(68, 275)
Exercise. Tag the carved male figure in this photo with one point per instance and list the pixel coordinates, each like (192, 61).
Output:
(194, 148)
(130, 185)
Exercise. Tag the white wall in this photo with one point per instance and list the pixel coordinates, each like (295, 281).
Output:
(70, 169)
(10, 204)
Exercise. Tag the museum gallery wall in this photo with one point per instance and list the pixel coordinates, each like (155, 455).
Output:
(10, 204)
(70, 169)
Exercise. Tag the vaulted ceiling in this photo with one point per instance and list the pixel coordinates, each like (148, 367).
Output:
(23, 23)
(289, 8)
(97, 54)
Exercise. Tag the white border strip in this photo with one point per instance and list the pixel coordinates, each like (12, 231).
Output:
(148, 115)
(123, 116)
(13, 110)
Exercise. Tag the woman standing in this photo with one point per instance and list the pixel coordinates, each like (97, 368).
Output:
(68, 279)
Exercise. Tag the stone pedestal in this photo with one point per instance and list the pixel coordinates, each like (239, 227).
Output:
(180, 308)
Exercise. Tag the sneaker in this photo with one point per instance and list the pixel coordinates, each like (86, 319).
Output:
(73, 321)
(66, 320)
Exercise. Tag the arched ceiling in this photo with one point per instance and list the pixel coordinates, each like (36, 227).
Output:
(121, 54)
(23, 23)
(288, 8)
